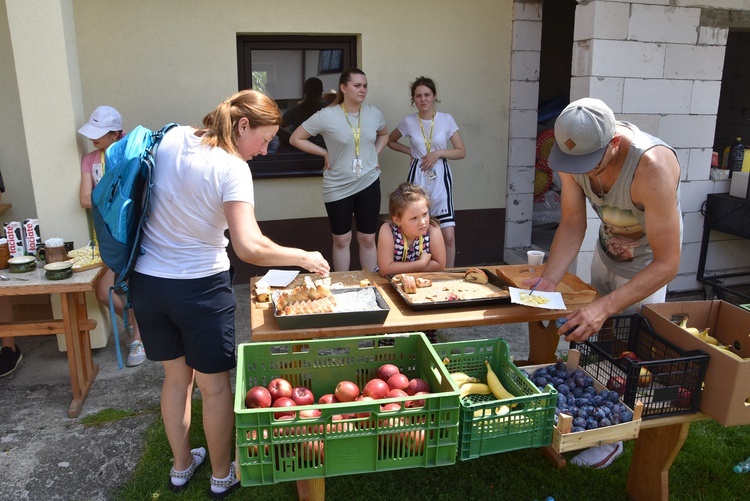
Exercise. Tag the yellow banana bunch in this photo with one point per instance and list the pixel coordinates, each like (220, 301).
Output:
(461, 378)
(474, 389)
(495, 385)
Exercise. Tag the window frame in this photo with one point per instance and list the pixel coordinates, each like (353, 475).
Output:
(288, 164)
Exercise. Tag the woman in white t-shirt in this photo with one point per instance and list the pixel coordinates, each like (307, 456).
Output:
(430, 132)
(182, 284)
(354, 134)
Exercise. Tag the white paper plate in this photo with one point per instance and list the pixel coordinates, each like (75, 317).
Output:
(556, 301)
(279, 278)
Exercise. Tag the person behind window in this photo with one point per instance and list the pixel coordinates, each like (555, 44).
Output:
(103, 129)
(312, 101)
(182, 284)
(355, 134)
(429, 133)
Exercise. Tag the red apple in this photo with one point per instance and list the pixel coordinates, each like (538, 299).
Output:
(258, 397)
(413, 404)
(630, 355)
(385, 371)
(328, 398)
(346, 391)
(393, 406)
(416, 385)
(396, 393)
(312, 452)
(284, 402)
(363, 414)
(398, 382)
(309, 413)
(376, 388)
(616, 383)
(302, 396)
(279, 388)
(684, 398)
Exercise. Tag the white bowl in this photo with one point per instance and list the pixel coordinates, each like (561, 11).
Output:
(21, 260)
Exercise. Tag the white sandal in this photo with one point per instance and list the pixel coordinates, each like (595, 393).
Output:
(223, 487)
(178, 480)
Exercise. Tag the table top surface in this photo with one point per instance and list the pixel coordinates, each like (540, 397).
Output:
(401, 317)
(34, 282)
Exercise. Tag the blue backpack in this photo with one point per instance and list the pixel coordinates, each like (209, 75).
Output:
(120, 203)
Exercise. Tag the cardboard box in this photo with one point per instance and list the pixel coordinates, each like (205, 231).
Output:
(727, 383)
(738, 187)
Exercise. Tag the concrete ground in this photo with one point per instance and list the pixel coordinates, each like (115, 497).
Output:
(46, 455)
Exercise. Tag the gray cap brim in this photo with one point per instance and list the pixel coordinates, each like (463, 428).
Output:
(574, 164)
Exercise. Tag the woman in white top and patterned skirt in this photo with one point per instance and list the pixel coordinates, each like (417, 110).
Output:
(430, 134)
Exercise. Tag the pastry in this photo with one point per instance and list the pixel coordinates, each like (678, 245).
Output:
(423, 282)
(475, 275)
(262, 292)
(409, 284)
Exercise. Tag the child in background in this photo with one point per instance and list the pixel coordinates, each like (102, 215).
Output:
(411, 241)
(104, 128)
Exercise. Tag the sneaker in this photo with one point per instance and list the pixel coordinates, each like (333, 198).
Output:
(137, 354)
(599, 457)
(178, 480)
(9, 360)
(223, 487)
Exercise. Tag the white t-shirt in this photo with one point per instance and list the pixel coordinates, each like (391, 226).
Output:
(340, 181)
(444, 128)
(184, 235)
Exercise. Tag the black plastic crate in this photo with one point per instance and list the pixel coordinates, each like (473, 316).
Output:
(667, 379)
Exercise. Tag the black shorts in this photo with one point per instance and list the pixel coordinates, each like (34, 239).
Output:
(193, 318)
(365, 206)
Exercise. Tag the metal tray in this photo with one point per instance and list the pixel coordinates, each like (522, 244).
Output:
(459, 303)
(334, 319)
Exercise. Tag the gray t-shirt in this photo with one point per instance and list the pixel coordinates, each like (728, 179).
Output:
(340, 181)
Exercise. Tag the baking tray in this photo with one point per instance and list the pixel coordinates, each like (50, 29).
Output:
(492, 278)
(336, 319)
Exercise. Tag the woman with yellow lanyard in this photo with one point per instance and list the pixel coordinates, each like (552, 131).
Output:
(354, 134)
(430, 132)
(104, 128)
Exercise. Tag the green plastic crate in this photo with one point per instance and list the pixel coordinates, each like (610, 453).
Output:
(482, 429)
(271, 450)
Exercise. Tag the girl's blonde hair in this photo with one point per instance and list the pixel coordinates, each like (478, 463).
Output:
(221, 124)
(405, 195)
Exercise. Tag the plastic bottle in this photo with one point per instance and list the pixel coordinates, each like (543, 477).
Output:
(736, 156)
(743, 467)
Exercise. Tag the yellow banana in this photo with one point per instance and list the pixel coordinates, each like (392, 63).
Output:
(499, 411)
(729, 352)
(461, 378)
(495, 385)
(474, 389)
(705, 337)
(691, 330)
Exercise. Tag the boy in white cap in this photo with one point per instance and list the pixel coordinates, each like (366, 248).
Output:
(631, 180)
(104, 128)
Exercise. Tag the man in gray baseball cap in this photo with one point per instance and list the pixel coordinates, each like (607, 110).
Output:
(631, 180)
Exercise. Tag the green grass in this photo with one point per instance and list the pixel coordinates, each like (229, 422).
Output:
(702, 471)
(108, 415)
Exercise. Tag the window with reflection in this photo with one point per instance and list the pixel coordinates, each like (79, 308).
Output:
(299, 73)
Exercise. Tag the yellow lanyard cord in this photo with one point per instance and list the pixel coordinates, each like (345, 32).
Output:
(406, 247)
(427, 142)
(101, 160)
(356, 131)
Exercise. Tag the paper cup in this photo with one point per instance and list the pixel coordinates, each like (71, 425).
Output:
(535, 257)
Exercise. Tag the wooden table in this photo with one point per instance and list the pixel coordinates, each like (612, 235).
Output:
(74, 323)
(543, 338)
